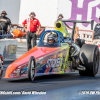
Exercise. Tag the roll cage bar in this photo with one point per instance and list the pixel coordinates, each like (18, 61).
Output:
(74, 25)
(58, 32)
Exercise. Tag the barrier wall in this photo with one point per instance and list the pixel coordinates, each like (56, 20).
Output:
(8, 49)
(87, 35)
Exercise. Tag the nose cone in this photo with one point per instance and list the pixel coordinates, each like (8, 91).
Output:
(10, 70)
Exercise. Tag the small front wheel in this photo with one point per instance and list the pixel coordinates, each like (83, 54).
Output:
(31, 69)
(1, 70)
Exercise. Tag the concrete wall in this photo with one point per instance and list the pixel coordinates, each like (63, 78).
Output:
(12, 8)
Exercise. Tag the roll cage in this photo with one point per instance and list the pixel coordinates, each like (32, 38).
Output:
(59, 34)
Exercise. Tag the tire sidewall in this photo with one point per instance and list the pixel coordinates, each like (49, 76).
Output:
(1, 70)
(96, 55)
(89, 59)
(2, 59)
(29, 68)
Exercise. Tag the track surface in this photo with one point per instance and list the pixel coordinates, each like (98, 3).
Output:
(57, 87)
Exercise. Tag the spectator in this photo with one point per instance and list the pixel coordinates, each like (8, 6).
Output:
(4, 23)
(96, 37)
(60, 17)
(32, 31)
(65, 34)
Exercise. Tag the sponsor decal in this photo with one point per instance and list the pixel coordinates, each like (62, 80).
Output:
(53, 62)
(23, 71)
(9, 52)
(65, 44)
(11, 75)
(66, 64)
(17, 71)
(55, 69)
(68, 69)
(70, 64)
(63, 61)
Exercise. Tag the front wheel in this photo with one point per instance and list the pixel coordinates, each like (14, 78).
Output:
(1, 70)
(31, 69)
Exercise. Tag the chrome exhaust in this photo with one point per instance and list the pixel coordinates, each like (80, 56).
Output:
(80, 67)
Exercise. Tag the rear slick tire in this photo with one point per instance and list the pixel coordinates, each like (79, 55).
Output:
(89, 58)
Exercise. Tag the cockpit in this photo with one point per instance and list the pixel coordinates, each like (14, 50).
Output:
(51, 39)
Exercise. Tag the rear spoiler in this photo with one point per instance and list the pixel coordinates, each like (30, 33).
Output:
(78, 21)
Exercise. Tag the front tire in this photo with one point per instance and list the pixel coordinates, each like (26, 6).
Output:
(31, 69)
(1, 63)
(89, 58)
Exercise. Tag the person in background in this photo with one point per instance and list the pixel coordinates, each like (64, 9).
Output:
(4, 23)
(96, 37)
(32, 30)
(63, 29)
(60, 17)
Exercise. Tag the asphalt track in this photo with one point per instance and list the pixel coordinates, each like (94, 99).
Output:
(69, 86)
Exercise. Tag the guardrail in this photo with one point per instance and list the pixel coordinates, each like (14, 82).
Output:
(87, 35)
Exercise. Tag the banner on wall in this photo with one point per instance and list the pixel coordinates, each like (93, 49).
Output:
(8, 49)
(47, 11)
(85, 10)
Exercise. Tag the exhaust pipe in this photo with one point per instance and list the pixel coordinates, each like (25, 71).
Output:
(80, 67)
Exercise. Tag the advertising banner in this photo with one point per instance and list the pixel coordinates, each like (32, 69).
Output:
(8, 49)
(47, 11)
(85, 10)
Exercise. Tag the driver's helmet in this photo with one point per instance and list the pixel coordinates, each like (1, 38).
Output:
(52, 38)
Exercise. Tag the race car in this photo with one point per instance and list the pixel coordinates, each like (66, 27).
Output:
(56, 55)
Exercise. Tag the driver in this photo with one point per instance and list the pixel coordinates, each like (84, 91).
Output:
(52, 38)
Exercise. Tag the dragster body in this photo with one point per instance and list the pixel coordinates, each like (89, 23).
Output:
(50, 59)
(63, 56)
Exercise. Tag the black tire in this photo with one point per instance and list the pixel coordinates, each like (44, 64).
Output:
(2, 59)
(80, 42)
(89, 58)
(31, 69)
(1, 70)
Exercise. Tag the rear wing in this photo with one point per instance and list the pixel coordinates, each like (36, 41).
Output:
(78, 21)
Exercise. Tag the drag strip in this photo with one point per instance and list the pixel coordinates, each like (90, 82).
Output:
(58, 87)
